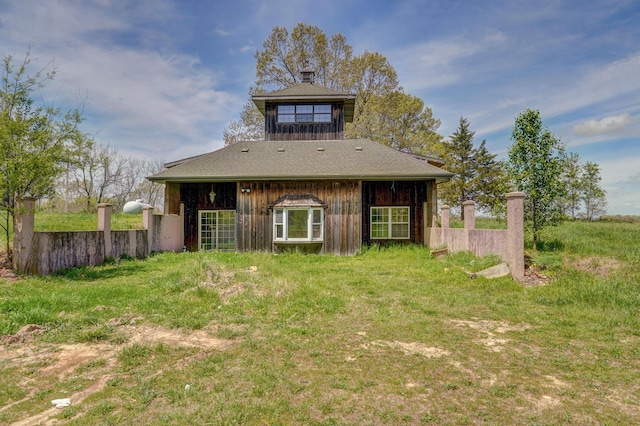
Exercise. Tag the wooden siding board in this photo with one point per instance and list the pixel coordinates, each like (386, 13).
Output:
(195, 197)
(395, 193)
(172, 198)
(342, 224)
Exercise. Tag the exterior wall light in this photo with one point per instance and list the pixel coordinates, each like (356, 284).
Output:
(212, 196)
(247, 190)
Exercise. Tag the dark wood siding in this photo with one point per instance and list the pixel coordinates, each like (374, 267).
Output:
(395, 193)
(342, 219)
(195, 196)
(172, 198)
(275, 131)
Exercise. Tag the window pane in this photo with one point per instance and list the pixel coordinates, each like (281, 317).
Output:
(304, 109)
(317, 216)
(322, 108)
(399, 231)
(279, 232)
(286, 118)
(317, 229)
(322, 118)
(304, 118)
(279, 216)
(379, 215)
(286, 109)
(297, 221)
(400, 214)
(379, 230)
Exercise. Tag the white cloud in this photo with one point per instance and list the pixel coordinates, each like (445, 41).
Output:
(436, 63)
(222, 32)
(605, 125)
(152, 101)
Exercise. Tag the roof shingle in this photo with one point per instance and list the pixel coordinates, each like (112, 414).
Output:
(301, 160)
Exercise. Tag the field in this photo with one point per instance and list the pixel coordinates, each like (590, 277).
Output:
(390, 336)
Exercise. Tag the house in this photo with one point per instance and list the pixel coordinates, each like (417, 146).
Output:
(305, 186)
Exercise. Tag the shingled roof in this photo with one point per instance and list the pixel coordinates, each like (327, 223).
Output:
(307, 92)
(360, 159)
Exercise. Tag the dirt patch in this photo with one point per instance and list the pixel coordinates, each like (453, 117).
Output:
(61, 361)
(223, 282)
(490, 328)
(409, 348)
(600, 266)
(25, 333)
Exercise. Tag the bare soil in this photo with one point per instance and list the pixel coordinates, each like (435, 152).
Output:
(62, 360)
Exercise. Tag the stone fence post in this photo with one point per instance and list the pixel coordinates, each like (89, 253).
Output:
(444, 216)
(104, 225)
(147, 223)
(23, 233)
(469, 211)
(515, 234)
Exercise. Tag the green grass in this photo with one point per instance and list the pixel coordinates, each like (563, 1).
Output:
(391, 336)
(47, 221)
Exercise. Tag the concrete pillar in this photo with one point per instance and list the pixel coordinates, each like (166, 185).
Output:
(23, 233)
(104, 225)
(469, 208)
(444, 217)
(515, 234)
(147, 223)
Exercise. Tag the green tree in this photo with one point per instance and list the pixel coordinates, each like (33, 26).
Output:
(535, 166)
(478, 175)
(35, 140)
(400, 121)
(593, 196)
(369, 76)
(571, 170)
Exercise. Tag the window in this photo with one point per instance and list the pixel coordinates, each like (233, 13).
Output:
(304, 113)
(297, 224)
(389, 223)
(217, 230)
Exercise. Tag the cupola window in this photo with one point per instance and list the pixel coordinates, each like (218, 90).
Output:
(319, 113)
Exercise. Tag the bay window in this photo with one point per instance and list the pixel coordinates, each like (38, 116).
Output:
(298, 224)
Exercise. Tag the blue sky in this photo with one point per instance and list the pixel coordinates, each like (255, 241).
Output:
(161, 79)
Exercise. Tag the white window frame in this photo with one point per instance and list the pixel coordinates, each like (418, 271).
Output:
(222, 230)
(390, 222)
(281, 220)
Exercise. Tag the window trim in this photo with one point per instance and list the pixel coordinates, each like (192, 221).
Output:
(285, 226)
(390, 222)
(297, 116)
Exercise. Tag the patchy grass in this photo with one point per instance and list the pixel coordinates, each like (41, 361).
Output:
(391, 336)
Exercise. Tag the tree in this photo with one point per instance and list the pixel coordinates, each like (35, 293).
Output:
(570, 177)
(478, 176)
(593, 196)
(250, 127)
(400, 121)
(35, 140)
(369, 76)
(102, 175)
(535, 166)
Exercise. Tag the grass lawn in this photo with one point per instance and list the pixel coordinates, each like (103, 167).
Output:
(391, 336)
